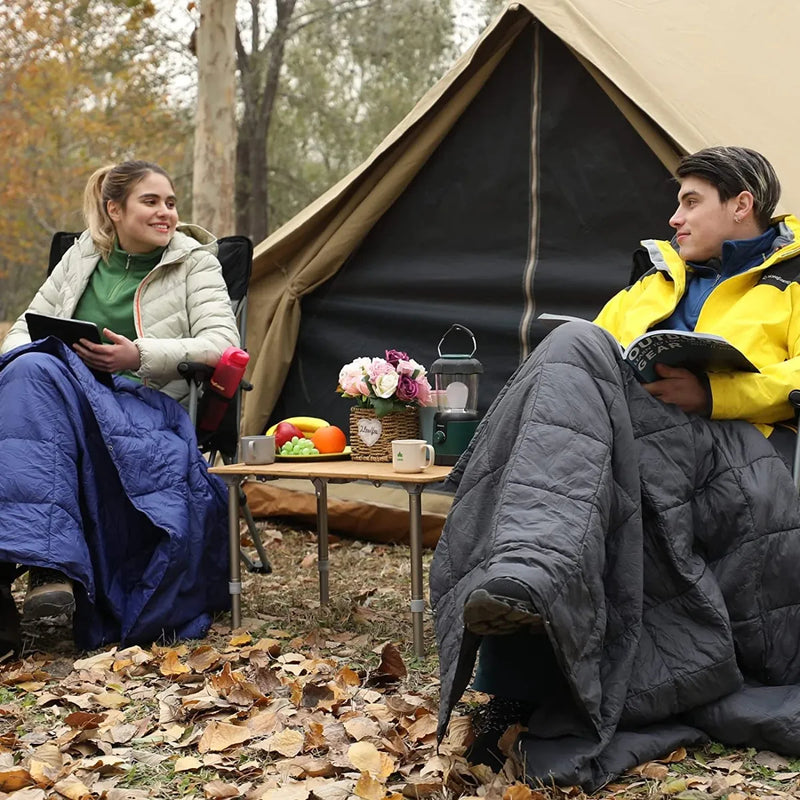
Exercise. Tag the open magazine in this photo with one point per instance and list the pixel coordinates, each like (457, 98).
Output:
(699, 352)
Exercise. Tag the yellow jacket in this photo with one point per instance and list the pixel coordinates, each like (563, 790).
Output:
(757, 311)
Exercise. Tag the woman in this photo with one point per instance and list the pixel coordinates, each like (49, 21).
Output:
(105, 495)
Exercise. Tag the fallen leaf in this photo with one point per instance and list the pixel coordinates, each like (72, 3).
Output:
(333, 790)
(674, 786)
(219, 789)
(239, 639)
(111, 700)
(459, 733)
(31, 686)
(83, 720)
(518, 791)
(171, 665)
(219, 736)
(364, 756)
(674, 757)
(31, 793)
(287, 742)
(421, 787)
(73, 789)
(101, 661)
(46, 765)
(187, 763)
(348, 677)
(289, 791)
(312, 767)
(391, 668)
(423, 727)
(203, 658)
(361, 727)
(127, 794)
(369, 788)
(652, 770)
(770, 760)
(14, 778)
(268, 645)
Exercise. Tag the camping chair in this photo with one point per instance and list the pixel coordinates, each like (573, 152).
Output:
(235, 254)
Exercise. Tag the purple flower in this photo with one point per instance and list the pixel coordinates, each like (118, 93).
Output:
(407, 389)
(396, 356)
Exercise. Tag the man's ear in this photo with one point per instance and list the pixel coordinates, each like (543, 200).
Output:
(743, 205)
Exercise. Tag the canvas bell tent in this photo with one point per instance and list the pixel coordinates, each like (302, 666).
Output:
(521, 183)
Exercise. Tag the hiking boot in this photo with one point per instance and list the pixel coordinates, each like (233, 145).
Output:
(499, 607)
(10, 639)
(49, 594)
(489, 723)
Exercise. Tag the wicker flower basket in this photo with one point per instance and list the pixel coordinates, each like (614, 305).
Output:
(371, 438)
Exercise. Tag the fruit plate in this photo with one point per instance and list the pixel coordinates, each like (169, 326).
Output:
(316, 456)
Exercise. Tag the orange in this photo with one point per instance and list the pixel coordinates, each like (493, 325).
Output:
(329, 439)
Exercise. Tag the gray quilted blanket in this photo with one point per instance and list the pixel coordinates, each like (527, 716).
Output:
(661, 548)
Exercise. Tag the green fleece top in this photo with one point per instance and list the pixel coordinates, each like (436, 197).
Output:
(108, 298)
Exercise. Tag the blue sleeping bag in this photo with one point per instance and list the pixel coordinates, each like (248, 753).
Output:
(108, 486)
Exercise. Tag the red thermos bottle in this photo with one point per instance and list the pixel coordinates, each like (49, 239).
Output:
(223, 384)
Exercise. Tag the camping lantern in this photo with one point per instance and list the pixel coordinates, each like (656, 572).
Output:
(456, 389)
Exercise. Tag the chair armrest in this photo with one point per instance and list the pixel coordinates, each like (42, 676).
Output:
(195, 371)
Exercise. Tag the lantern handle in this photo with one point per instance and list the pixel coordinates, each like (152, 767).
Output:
(456, 327)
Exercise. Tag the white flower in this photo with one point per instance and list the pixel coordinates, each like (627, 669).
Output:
(385, 385)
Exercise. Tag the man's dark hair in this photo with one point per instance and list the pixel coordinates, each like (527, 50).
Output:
(736, 169)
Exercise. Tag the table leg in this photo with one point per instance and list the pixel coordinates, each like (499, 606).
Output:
(235, 573)
(323, 564)
(415, 539)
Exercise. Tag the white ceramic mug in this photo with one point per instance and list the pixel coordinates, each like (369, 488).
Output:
(411, 455)
(257, 449)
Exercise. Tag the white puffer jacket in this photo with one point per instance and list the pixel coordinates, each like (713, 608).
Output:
(181, 309)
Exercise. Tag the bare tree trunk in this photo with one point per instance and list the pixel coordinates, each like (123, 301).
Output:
(260, 70)
(215, 123)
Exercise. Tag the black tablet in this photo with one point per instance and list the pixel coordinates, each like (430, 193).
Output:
(69, 331)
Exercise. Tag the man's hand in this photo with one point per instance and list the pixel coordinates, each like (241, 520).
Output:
(121, 354)
(681, 388)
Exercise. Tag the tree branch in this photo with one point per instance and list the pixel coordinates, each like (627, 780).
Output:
(337, 9)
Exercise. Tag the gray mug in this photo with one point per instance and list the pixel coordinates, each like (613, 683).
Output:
(257, 449)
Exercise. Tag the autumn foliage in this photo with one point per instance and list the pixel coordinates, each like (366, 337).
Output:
(80, 86)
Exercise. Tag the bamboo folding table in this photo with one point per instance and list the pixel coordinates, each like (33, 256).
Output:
(321, 473)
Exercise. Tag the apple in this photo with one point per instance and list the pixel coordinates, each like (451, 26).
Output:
(284, 432)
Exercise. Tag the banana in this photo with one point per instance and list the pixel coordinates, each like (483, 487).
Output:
(306, 424)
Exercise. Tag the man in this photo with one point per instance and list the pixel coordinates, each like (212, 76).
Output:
(716, 276)
(615, 518)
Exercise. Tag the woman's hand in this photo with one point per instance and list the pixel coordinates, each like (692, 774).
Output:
(681, 388)
(121, 354)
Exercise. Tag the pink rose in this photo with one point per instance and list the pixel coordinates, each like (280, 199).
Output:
(351, 377)
(423, 391)
(378, 367)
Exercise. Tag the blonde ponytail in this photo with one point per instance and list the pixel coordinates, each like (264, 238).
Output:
(113, 182)
(101, 228)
